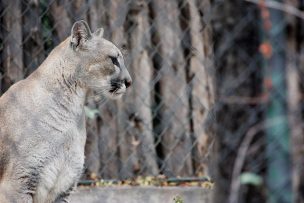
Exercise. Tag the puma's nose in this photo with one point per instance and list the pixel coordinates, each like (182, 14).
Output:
(128, 82)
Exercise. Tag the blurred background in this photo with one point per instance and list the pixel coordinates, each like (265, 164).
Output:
(217, 89)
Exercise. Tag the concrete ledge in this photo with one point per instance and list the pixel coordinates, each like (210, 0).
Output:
(126, 194)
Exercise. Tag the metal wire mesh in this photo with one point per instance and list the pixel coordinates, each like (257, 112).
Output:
(214, 86)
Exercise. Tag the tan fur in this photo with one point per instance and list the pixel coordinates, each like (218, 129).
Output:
(42, 120)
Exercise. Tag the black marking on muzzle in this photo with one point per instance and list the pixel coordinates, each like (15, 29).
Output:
(115, 85)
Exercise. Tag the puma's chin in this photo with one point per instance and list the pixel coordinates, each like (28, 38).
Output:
(115, 94)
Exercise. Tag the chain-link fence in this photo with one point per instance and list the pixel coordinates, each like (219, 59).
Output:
(217, 88)
(258, 53)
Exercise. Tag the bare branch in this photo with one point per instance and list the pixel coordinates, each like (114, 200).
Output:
(281, 6)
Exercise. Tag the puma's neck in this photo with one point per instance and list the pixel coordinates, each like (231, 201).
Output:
(59, 78)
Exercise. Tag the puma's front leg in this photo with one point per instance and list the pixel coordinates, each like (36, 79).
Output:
(9, 195)
(16, 198)
(64, 197)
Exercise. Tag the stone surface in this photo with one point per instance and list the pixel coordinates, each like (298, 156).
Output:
(128, 194)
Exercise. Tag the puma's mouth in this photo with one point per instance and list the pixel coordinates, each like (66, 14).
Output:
(113, 90)
(116, 92)
(115, 86)
(117, 89)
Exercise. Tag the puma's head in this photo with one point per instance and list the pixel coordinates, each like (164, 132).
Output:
(103, 68)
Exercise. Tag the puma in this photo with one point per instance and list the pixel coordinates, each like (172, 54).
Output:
(42, 119)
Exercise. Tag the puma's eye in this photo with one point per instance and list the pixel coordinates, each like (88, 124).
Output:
(114, 61)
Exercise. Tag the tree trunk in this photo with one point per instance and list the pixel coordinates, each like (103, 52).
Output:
(98, 15)
(78, 10)
(12, 43)
(173, 110)
(137, 105)
(33, 50)
(198, 53)
(63, 24)
(108, 141)
(92, 161)
(295, 99)
(113, 133)
(2, 8)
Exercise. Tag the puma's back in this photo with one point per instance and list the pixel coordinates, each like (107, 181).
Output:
(42, 121)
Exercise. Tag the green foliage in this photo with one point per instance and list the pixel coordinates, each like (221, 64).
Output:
(251, 178)
(178, 199)
(158, 181)
(47, 25)
(91, 113)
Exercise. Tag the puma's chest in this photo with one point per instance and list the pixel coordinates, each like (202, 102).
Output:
(62, 172)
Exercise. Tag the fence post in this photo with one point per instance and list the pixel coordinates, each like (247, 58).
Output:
(277, 135)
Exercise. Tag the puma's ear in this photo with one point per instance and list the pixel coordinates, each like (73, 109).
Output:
(80, 34)
(99, 32)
